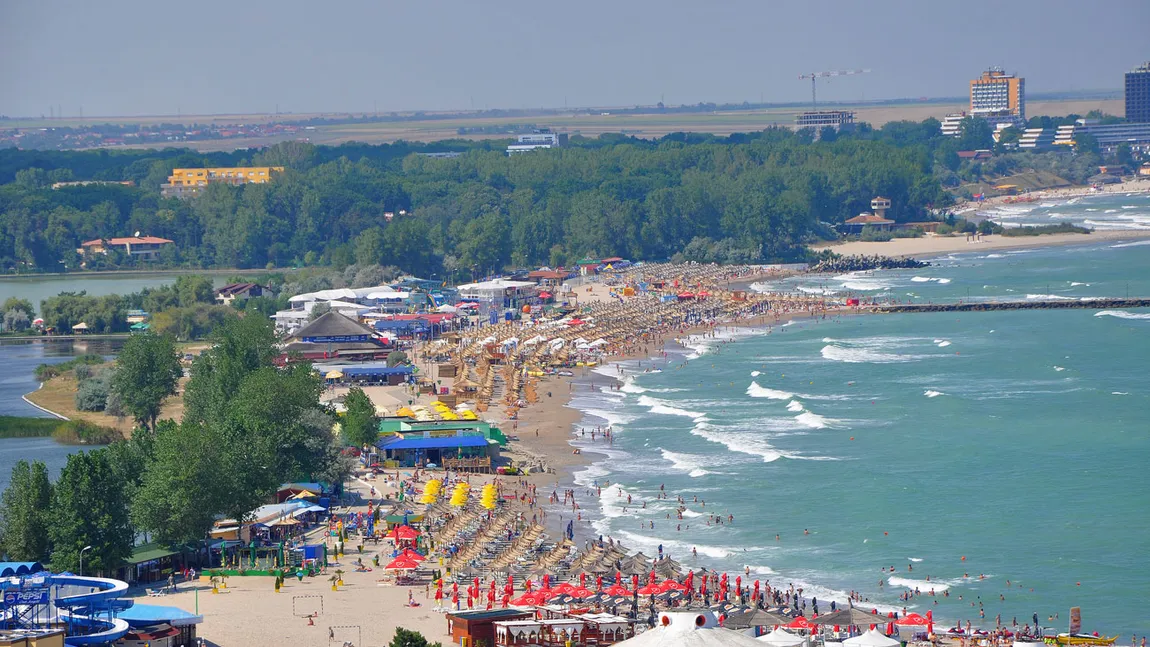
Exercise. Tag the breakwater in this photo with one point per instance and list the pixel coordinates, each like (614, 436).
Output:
(983, 306)
(864, 263)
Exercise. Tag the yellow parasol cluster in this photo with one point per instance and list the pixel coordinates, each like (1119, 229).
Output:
(431, 491)
(443, 411)
(459, 496)
(487, 498)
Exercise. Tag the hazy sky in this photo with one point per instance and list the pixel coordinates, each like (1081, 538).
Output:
(135, 57)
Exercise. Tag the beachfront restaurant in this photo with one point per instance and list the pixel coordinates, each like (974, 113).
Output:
(455, 449)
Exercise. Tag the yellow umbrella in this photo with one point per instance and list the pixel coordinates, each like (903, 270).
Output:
(303, 494)
(333, 375)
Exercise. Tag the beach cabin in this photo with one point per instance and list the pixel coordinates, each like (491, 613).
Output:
(460, 449)
(855, 225)
(333, 335)
(470, 627)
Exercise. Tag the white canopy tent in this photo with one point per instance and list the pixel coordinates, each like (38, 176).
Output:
(689, 630)
(872, 638)
(781, 638)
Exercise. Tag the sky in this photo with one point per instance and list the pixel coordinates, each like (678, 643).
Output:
(140, 57)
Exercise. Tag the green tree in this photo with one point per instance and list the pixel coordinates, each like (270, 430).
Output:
(360, 425)
(192, 289)
(179, 493)
(369, 247)
(1086, 143)
(24, 513)
(975, 133)
(408, 638)
(16, 303)
(147, 371)
(90, 508)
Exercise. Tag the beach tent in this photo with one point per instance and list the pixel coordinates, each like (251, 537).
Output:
(872, 638)
(689, 630)
(782, 638)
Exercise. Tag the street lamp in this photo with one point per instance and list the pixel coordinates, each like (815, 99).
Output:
(82, 559)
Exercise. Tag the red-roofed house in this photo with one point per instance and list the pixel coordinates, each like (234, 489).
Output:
(144, 248)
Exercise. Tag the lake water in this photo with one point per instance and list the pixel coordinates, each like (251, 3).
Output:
(20, 359)
(40, 287)
(979, 447)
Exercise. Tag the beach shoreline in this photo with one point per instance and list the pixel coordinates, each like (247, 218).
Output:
(928, 246)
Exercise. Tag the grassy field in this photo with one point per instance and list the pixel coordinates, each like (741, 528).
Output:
(646, 126)
(59, 396)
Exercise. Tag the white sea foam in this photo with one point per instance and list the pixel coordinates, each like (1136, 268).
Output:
(943, 344)
(666, 408)
(1123, 314)
(1137, 243)
(1119, 393)
(672, 547)
(921, 585)
(1059, 368)
(612, 417)
(996, 255)
(629, 386)
(756, 391)
(795, 406)
(1077, 283)
(1048, 297)
(814, 420)
(863, 281)
(755, 373)
(933, 394)
(690, 463)
(742, 443)
(915, 559)
(862, 355)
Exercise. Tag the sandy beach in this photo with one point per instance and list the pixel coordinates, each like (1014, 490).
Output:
(938, 245)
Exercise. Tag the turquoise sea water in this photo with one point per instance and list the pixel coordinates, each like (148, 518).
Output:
(1018, 440)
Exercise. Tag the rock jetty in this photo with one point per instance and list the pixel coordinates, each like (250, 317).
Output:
(1090, 304)
(862, 263)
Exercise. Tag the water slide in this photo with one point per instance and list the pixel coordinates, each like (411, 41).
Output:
(81, 611)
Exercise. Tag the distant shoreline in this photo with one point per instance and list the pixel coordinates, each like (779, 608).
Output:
(117, 273)
(928, 246)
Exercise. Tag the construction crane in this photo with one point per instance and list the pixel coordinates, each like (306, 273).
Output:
(817, 75)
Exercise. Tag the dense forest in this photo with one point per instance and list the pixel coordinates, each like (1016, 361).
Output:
(748, 197)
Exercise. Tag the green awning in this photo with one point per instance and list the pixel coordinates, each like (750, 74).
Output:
(147, 553)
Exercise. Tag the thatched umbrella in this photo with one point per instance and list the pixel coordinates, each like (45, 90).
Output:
(755, 618)
(851, 616)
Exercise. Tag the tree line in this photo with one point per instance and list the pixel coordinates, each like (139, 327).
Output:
(248, 426)
(764, 194)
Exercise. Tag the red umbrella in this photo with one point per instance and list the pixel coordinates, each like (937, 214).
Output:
(802, 623)
(582, 593)
(583, 579)
(929, 622)
(670, 585)
(565, 587)
(650, 589)
(402, 563)
(912, 619)
(616, 590)
(411, 554)
(890, 625)
(618, 578)
(598, 582)
(546, 581)
(635, 581)
(506, 600)
(403, 533)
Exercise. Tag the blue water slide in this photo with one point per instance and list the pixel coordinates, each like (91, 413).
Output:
(82, 611)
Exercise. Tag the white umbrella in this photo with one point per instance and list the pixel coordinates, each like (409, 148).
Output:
(781, 638)
(872, 638)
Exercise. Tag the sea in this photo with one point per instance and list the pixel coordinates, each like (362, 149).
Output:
(998, 459)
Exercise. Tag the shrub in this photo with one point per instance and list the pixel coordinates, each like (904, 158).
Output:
(92, 395)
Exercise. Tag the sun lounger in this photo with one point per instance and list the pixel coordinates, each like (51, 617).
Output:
(156, 593)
